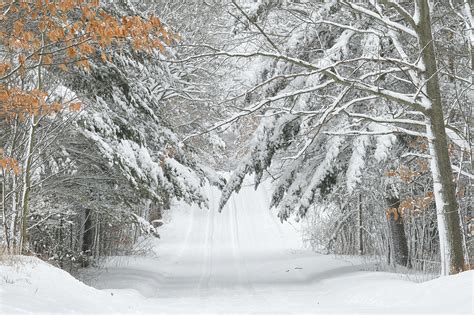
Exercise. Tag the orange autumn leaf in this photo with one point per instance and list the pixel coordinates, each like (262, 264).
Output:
(42, 25)
(75, 107)
(47, 59)
(63, 67)
(56, 107)
(18, 27)
(71, 52)
(4, 95)
(391, 173)
(84, 64)
(14, 166)
(4, 68)
(86, 49)
(8, 164)
(21, 59)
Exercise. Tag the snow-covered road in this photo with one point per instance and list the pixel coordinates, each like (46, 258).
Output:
(242, 250)
(245, 260)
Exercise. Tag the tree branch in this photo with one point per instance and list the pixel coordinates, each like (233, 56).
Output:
(257, 26)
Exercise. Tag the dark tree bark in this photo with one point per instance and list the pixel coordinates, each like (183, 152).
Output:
(88, 235)
(397, 231)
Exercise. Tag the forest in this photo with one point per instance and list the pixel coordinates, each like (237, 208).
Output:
(124, 124)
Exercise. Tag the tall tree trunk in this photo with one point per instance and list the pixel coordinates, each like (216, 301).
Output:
(88, 234)
(4, 213)
(397, 232)
(13, 222)
(449, 225)
(25, 199)
(361, 240)
(469, 22)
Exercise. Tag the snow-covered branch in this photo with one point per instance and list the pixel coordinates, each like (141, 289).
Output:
(387, 120)
(380, 18)
(256, 107)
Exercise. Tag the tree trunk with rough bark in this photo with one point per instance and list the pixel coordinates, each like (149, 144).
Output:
(449, 225)
(397, 232)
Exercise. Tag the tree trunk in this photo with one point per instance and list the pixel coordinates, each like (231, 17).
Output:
(361, 240)
(25, 199)
(449, 225)
(88, 234)
(13, 223)
(4, 215)
(397, 232)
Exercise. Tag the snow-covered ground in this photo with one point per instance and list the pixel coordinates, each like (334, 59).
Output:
(240, 260)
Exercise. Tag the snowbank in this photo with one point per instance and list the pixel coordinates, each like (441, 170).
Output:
(28, 284)
(31, 285)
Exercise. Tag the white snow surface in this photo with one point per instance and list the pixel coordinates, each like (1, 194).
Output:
(242, 260)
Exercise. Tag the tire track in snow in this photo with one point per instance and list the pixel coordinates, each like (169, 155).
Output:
(186, 243)
(234, 238)
(208, 249)
(276, 226)
(241, 263)
(269, 215)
